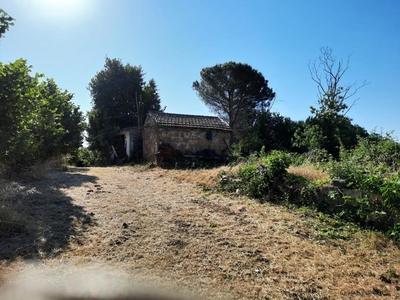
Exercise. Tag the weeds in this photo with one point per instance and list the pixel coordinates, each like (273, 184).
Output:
(371, 169)
(303, 252)
(88, 158)
(261, 178)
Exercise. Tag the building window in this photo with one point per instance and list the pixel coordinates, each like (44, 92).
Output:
(209, 135)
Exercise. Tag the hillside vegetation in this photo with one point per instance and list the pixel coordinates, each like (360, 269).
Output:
(154, 226)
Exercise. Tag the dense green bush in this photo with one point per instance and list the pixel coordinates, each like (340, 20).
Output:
(38, 120)
(88, 158)
(372, 168)
(262, 177)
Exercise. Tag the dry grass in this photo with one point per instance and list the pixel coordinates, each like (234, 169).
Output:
(154, 228)
(39, 170)
(11, 221)
(309, 171)
(211, 177)
(35, 172)
(203, 177)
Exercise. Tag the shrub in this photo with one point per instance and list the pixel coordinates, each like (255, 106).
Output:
(262, 178)
(236, 152)
(376, 155)
(372, 168)
(88, 158)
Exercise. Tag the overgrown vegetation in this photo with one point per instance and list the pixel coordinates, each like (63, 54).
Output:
(369, 193)
(364, 168)
(372, 168)
(38, 120)
(261, 176)
(88, 158)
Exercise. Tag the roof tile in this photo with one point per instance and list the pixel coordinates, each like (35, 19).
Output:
(191, 121)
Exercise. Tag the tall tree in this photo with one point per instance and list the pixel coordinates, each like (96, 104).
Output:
(120, 98)
(150, 101)
(234, 91)
(37, 119)
(271, 130)
(61, 123)
(329, 127)
(327, 72)
(17, 111)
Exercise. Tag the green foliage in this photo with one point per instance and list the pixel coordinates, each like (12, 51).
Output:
(88, 158)
(18, 110)
(329, 134)
(271, 130)
(61, 123)
(261, 178)
(37, 120)
(114, 92)
(330, 226)
(309, 136)
(277, 162)
(256, 182)
(236, 152)
(234, 91)
(373, 156)
(372, 169)
(5, 22)
(394, 232)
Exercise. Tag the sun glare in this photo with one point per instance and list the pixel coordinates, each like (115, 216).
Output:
(60, 3)
(62, 9)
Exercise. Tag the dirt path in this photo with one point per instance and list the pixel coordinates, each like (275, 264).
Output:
(152, 228)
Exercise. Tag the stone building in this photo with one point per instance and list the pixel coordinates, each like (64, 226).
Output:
(188, 134)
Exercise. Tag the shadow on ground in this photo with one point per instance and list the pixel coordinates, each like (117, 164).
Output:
(52, 218)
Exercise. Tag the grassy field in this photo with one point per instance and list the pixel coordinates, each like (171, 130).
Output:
(169, 229)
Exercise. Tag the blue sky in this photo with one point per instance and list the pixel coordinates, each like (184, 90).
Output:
(173, 40)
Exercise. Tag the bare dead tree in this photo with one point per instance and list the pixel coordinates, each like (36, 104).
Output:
(328, 72)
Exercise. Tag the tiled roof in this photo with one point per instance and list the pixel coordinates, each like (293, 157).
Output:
(191, 121)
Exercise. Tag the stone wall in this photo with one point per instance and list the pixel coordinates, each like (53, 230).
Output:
(149, 143)
(186, 140)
